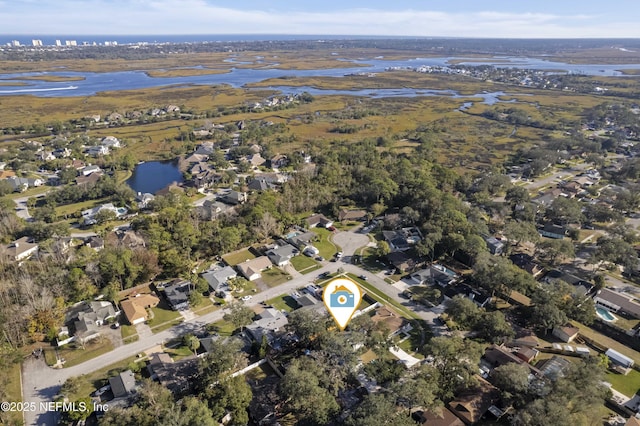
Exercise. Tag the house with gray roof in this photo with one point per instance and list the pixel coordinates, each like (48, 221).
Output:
(280, 256)
(302, 239)
(270, 322)
(177, 294)
(124, 384)
(219, 278)
(86, 318)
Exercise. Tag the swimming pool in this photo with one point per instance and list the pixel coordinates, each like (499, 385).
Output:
(605, 315)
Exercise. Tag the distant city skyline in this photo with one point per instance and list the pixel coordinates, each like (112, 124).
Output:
(456, 18)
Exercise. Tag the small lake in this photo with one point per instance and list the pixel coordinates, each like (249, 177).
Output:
(153, 176)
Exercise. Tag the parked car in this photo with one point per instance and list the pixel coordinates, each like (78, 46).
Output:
(332, 228)
(319, 258)
(338, 255)
(245, 298)
(362, 277)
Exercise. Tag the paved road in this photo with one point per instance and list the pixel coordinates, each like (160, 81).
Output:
(41, 383)
(349, 241)
(21, 208)
(558, 176)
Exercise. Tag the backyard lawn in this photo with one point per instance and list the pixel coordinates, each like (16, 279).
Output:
(222, 327)
(304, 264)
(89, 383)
(204, 307)
(628, 385)
(13, 391)
(238, 257)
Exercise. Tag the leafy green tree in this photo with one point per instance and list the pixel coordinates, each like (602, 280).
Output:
(303, 395)
(521, 232)
(455, 363)
(494, 327)
(191, 341)
(378, 409)
(306, 325)
(382, 249)
(554, 251)
(565, 210)
(239, 315)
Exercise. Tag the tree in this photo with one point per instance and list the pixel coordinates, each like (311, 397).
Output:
(382, 249)
(463, 310)
(378, 409)
(222, 358)
(511, 378)
(521, 232)
(517, 195)
(555, 250)
(104, 216)
(455, 363)
(239, 315)
(565, 210)
(547, 316)
(266, 226)
(494, 327)
(191, 341)
(238, 284)
(304, 397)
(195, 298)
(306, 325)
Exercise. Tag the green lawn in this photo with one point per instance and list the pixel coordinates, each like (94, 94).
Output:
(129, 333)
(179, 352)
(13, 390)
(222, 327)
(94, 348)
(29, 192)
(283, 302)
(204, 307)
(383, 298)
(304, 264)
(238, 257)
(274, 277)
(326, 247)
(370, 260)
(628, 385)
(607, 342)
(69, 209)
(163, 318)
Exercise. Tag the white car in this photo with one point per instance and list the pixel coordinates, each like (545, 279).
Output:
(338, 255)
(245, 298)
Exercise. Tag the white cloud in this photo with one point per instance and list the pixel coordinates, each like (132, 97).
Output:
(199, 17)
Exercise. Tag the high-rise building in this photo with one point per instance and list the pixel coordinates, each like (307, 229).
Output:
(15, 43)
(58, 43)
(70, 43)
(36, 42)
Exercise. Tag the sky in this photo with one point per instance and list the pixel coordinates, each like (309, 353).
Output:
(452, 18)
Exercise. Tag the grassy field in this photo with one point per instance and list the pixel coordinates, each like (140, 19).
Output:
(94, 348)
(304, 264)
(129, 333)
(274, 277)
(204, 307)
(326, 247)
(628, 385)
(89, 383)
(607, 342)
(222, 327)
(183, 72)
(13, 390)
(238, 257)
(283, 302)
(163, 318)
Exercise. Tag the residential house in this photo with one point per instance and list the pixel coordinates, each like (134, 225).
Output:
(96, 243)
(260, 184)
(19, 250)
(135, 308)
(110, 142)
(124, 384)
(88, 181)
(352, 215)
(581, 287)
(280, 256)
(85, 318)
(318, 220)
(256, 160)
(218, 278)
(234, 197)
(61, 153)
(195, 159)
(547, 198)
(4, 174)
(171, 109)
(199, 168)
(301, 239)
(175, 376)
(479, 297)
(143, 199)
(551, 230)
(177, 294)
(206, 179)
(130, 239)
(526, 262)
(89, 169)
(619, 359)
(306, 300)
(617, 302)
(278, 161)
(205, 148)
(252, 269)
(274, 178)
(401, 261)
(494, 245)
(402, 239)
(211, 210)
(572, 189)
(435, 274)
(527, 354)
(114, 116)
(89, 215)
(270, 321)
(173, 187)
(554, 367)
(96, 151)
(44, 156)
(566, 332)
(473, 403)
(19, 184)
(392, 322)
(498, 355)
(443, 417)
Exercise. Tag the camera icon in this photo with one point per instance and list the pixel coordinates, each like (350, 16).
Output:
(341, 298)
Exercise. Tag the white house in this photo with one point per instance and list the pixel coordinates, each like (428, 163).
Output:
(89, 215)
(110, 142)
(96, 151)
(86, 171)
(20, 249)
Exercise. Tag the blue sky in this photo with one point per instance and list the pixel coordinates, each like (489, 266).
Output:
(453, 18)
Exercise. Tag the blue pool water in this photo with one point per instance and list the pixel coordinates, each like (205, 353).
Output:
(605, 315)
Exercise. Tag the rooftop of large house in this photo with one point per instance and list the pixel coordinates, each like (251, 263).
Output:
(254, 266)
(318, 220)
(19, 249)
(218, 277)
(134, 308)
(282, 254)
(177, 293)
(473, 403)
(618, 301)
(175, 376)
(271, 320)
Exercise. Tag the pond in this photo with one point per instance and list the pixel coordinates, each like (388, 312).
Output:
(153, 176)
